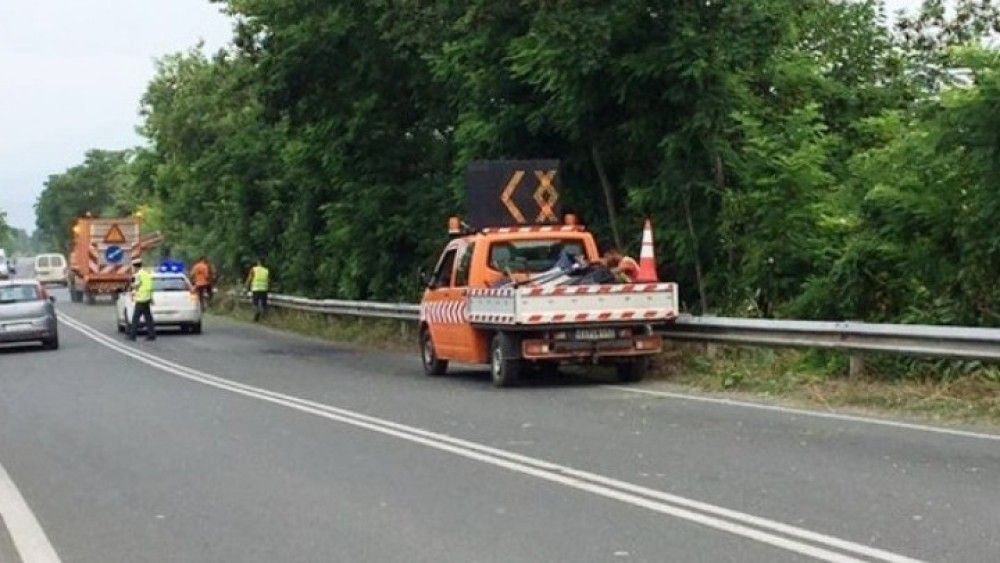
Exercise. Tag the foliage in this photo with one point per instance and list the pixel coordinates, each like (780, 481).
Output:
(798, 157)
(85, 188)
(5, 229)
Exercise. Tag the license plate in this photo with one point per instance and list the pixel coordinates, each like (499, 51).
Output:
(595, 333)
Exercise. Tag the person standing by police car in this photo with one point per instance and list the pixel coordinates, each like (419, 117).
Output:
(142, 290)
(203, 277)
(259, 283)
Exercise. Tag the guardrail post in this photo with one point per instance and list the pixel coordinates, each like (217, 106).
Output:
(404, 330)
(856, 367)
(712, 350)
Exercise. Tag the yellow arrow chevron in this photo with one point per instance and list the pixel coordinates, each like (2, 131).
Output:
(508, 193)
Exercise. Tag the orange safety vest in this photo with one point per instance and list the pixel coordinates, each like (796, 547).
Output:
(201, 275)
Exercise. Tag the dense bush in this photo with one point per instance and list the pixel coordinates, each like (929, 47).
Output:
(798, 157)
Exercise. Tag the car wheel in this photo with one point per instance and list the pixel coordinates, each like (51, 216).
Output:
(505, 365)
(432, 365)
(196, 328)
(91, 298)
(51, 343)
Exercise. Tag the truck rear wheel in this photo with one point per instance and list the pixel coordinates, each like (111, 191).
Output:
(432, 364)
(506, 364)
(75, 295)
(632, 371)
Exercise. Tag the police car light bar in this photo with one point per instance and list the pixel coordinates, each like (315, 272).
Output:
(171, 267)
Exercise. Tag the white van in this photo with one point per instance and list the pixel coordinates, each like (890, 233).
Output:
(50, 268)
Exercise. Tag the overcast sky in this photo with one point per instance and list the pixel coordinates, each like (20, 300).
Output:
(72, 72)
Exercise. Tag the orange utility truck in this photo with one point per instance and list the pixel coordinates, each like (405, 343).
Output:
(522, 285)
(102, 254)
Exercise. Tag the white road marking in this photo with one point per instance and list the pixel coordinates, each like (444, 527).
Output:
(734, 522)
(30, 541)
(804, 412)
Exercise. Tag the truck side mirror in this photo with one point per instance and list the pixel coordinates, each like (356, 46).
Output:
(426, 280)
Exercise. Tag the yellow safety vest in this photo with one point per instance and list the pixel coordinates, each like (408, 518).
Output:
(144, 286)
(261, 279)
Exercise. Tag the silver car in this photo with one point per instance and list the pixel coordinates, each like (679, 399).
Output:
(27, 314)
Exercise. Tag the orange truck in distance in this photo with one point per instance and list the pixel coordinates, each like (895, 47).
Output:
(102, 254)
(515, 294)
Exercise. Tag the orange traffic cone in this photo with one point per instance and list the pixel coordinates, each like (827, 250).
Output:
(647, 257)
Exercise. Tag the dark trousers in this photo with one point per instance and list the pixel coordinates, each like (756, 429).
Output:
(142, 311)
(204, 295)
(259, 304)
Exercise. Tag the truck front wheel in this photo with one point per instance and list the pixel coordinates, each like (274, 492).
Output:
(75, 295)
(505, 362)
(432, 365)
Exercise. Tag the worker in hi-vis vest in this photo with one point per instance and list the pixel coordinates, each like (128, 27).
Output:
(259, 283)
(142, 288)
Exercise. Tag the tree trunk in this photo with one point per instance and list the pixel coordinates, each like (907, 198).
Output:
(697, 254)
(608, 196)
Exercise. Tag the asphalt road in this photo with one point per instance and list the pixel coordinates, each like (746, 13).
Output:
(245, 444)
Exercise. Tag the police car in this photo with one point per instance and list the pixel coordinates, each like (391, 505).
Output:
(175, 303)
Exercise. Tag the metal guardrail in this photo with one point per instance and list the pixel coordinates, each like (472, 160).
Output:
(856, 337)
(370, 309)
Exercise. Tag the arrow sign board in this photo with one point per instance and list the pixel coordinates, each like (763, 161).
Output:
(506, 193)
(114, 254)
(115, 235)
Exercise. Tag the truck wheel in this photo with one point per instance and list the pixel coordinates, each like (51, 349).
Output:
(505, 364)
(432, 365)
(91, 298)
(75, 295)
(632, 371)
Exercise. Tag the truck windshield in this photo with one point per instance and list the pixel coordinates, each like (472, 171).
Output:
(170, 284)
(531, 255)
(19, 293)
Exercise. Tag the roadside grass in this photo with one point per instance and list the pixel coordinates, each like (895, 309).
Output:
(937, 391)
(934, 391)
(386, 334)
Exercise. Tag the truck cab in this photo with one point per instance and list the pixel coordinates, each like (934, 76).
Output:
(484, 304)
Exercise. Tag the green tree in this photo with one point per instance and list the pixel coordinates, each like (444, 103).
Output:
(5, 230)
(86, 188)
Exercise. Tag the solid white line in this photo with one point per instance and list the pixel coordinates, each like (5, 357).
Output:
(30, 541)
(804, 412)
(635, 495)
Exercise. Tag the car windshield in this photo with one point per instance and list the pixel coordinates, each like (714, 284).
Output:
(19, 293)
(170, 284)
(531, 255)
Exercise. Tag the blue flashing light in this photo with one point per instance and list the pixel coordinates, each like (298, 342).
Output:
(172, 267)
